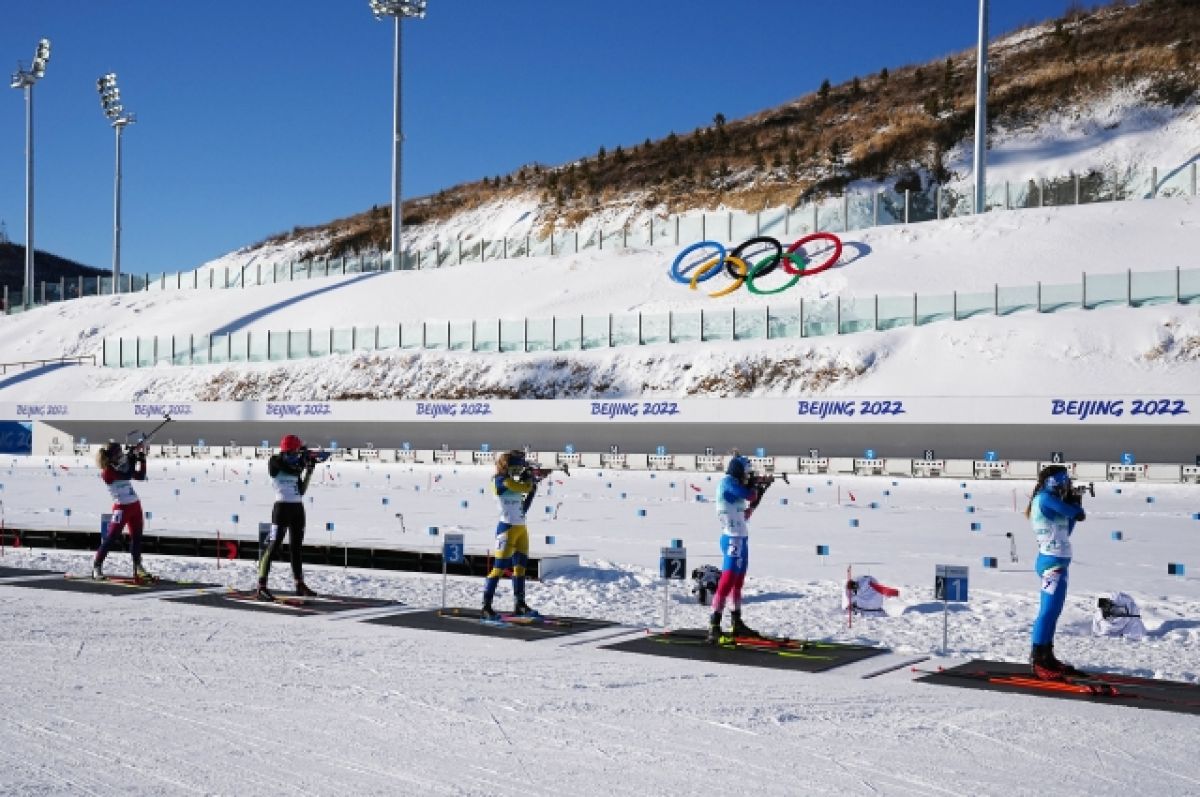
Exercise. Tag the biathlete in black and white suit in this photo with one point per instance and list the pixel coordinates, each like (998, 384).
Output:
(290, 471)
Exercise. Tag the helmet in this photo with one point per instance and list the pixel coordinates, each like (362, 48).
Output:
(289, 443)
(1057, 480)
(516, 458)
(112, 450)
(738, 468)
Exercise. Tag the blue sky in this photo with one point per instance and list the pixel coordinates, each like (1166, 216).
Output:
(255, 117)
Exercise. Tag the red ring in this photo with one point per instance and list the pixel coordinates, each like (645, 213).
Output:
(816, 236)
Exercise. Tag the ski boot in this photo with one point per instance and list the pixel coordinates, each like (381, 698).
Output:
(521, 609)
(714, 629)
(264, 594)
(487, 612)
(740, 628)
(303, 591)
(1047, 667)
(98, 571)
(142, 576)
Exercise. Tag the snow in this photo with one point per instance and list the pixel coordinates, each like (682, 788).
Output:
(136, 695)
(972, 254)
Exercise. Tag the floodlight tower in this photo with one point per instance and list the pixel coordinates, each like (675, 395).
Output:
(110, 101)
(398, 10)
(981, 90)
(24, 79)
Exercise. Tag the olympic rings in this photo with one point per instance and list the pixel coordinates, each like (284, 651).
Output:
(733, 262)
(678, 276)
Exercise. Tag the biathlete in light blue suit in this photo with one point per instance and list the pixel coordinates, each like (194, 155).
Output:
(734, 493)
(1053, 515)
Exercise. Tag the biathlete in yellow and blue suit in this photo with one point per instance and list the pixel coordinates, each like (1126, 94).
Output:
(514, 486)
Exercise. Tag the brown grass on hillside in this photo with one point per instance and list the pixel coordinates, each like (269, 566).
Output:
(876, 126)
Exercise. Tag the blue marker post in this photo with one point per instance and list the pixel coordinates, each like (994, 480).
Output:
(1116, 536)
(641, 513)
(823, 552)
(853, 522)
(1176, 569)
(989, 561)
(976, 527)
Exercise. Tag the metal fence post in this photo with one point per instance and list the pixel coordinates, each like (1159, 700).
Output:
(907, 194)
(767, 320)
(876, 327)
(839, 314)
(1042, 192)
(914, 308)
(1153, 182)
(801, 317)
(1178, 292)
(1193, 179)
(677, 228)
(816, 220)
(610, 335)
(729, 227)
(954, 305)
(845, 212)
(1129, 287)
(576, 241)
(937, 200)
(1076, 189)
(525, 333)
(581, 332)
(1007, 195)
(670, 326)
(703, 228)
(996, 298)
(640, 339)
(1039, 296)
(875, 209)
(1083, 292)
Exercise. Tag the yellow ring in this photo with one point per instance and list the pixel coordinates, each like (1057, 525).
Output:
(704, 269)
(733, 286)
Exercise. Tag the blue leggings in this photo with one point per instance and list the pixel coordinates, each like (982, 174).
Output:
(1053, 570)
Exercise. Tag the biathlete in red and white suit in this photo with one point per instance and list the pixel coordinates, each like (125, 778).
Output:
(119, 469)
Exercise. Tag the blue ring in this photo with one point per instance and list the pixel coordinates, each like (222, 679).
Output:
(676, 275)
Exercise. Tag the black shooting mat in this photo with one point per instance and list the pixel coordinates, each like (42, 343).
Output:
(1131, 691)
(116, 586)
(467, 621)
(283, 604)
(801, 655)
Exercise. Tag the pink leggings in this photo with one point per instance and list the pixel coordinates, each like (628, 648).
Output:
(729, 587)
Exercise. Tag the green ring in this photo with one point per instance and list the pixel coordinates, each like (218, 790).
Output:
(797, 260)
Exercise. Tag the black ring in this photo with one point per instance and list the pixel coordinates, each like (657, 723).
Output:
(768, 267)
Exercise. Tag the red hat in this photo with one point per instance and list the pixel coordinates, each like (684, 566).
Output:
(290, 443)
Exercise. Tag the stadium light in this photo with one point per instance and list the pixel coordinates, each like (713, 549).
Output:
(110, 102)
(24, 79)
(398, 10)
(981, 90)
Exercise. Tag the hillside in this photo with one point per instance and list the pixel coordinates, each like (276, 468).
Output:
(46, 268)
(1143, 350)
(904, 126)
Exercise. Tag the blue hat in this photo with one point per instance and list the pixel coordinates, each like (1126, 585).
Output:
(1057, 480)
(738, 467)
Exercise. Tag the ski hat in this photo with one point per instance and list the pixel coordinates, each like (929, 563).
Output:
(290, 443)
(738, 467)
(1058, 479)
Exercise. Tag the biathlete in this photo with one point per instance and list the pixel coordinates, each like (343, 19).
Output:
(290, 471)
(514, 485)
(734, 493)
(1053, 516)
(119, 469)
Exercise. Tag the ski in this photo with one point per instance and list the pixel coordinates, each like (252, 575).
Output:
(726, 642)
(1088, 686)
(120, 581)
(277, 600)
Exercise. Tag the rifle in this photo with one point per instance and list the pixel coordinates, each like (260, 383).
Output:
(760, 483)
(541, 473)
(145, 438)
